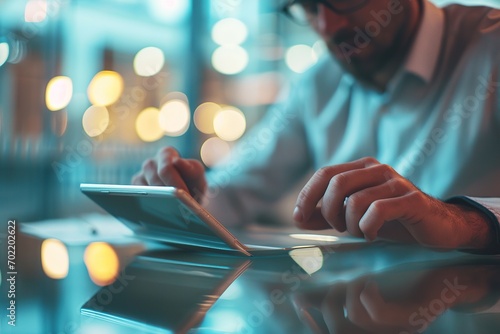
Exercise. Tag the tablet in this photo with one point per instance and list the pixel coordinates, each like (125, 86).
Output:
(172, 216)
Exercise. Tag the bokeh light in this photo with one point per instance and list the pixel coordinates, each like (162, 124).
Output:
(230, 59)
(299, 58)
(95, 120)
(169, 11)
(315, 237)
(175, 117)
(149, 61)
(102, 263)
(58, 93)
(147, 125)
(55, 259)
(4, 52)
(229, 31)
(105, 88)
(230, 124)
(35, 11)
(213, 151)
(204, 117)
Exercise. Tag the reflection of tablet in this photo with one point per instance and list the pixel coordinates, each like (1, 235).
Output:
(171, 215)
(165, 295)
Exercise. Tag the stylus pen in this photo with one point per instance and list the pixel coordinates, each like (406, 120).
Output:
(236, 244)
(216, 227)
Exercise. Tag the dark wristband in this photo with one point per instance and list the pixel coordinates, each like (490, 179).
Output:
(494, 247)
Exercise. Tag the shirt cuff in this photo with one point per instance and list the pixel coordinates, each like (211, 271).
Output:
(493, 220)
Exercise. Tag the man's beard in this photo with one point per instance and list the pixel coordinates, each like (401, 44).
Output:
(364, 65)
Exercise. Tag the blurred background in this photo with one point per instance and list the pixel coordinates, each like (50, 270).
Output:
(89, 89)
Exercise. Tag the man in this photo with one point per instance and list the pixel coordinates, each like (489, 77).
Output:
(416, 87)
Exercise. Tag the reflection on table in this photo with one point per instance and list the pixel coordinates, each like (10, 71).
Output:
(93, 281)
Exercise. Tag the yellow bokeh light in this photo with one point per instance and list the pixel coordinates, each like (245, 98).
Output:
(95, 121)
(229, 31)
(149, 61)
(102, 263)
(213, 151)
(230, 59)
(204, 117)
(4, 52)
(55, 259)
(300, 57)
(147, 125)
(175, 117)
(230, 124)
(105, 88)
(58, 93)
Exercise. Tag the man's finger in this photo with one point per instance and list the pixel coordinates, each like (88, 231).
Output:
(407, 209)
(314, 190)
(139, 180)
(354, 184)
(193, 174)
(150, 175)
(358, 203)
(165, 159)
(315, 222)
(166, 170)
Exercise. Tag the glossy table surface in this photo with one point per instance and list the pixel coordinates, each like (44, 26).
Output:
(73, 278)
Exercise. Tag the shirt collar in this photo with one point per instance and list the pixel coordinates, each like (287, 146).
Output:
(424, 53)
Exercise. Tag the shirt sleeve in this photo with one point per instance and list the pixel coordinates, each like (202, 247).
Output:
(262, 166)
(490, 207)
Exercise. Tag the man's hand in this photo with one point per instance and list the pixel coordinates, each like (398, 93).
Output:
(371, 200)
(169, 169)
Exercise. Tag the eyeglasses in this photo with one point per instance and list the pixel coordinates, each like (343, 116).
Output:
(303, 12)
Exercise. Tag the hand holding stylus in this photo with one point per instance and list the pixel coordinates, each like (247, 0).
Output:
(168, 168)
